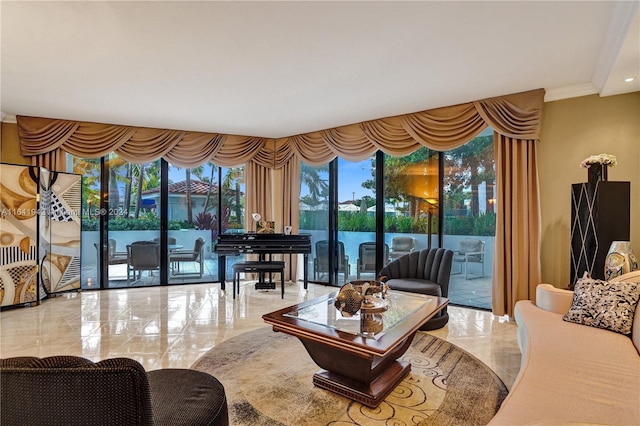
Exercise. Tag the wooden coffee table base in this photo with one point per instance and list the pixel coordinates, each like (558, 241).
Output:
(370, 395)
(361, 376)
(355, 364)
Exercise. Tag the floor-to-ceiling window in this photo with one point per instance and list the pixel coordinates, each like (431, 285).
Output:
(133, 222)
(314, 218)
(140, 228)
(343, 205)
(192, 215)
(430, 199)
(90, 236)
(411, 195)
(231, 219)
(470, 219)
(356, 182)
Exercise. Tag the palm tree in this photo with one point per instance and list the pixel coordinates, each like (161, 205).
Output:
(318, 188)
(139, 190)
(147, 177)
(473, 164)
(232, 198)
(214, 168)
(90, 171)
(127, 189)
(198, 172)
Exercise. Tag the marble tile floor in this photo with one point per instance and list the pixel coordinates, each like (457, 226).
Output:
(474, 291)
(172, 326)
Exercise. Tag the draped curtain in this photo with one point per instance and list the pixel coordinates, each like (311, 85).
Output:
(516, 117)
(516, 260)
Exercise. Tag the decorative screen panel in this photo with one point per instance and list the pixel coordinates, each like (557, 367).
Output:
(39, 233)
(18, 234)
(60, 231)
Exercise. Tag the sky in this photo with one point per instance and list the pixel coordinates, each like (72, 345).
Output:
(351, 176)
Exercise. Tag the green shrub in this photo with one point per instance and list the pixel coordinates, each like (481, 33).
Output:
(485, 224)
(131, 224)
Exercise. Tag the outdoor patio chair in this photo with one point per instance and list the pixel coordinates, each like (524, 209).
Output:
(113, 257)
(321, 261)
(178, 257)
(367, 258)
(470, 250)
(170, 240)
(401, 245)
(142, 256)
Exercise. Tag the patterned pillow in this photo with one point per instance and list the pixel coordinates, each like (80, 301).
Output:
(609, 305)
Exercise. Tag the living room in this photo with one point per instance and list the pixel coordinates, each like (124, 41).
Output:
(572, 128)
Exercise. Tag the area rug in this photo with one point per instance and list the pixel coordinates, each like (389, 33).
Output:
(267, 378)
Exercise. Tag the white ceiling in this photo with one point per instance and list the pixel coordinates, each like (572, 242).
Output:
(281, 68)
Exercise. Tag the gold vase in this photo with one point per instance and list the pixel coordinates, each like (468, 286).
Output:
(620, 260)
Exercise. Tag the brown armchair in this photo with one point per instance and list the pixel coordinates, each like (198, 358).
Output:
(74, 391)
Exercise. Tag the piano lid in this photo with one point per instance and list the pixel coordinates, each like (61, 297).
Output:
(263, 243)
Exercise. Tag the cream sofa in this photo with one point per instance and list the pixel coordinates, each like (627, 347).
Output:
(572, 373)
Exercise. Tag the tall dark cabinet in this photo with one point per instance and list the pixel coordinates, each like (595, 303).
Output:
(600, 214)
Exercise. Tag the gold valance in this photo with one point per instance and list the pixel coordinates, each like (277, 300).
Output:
(516, 116)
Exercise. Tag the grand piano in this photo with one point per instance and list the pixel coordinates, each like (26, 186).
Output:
(262, 245)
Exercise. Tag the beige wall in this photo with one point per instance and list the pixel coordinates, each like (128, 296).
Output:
(572, 130)
(10, 145)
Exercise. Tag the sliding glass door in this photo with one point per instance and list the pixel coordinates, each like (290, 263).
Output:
(470, 219)
(154, 223)
(192, 215)
(356, 182)
(411, 194)
(133, 223)
(90, 219)
(314, 219)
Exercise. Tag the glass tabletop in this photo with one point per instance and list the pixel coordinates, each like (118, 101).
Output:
(369, 323)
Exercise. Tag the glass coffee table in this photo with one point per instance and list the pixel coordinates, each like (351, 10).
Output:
(358, 355)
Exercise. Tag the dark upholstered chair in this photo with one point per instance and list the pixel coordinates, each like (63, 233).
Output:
(74, 391)
(321, 261)
(426, 272)
(142, 256)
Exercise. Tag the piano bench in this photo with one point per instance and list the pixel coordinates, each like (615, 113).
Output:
(261, 267)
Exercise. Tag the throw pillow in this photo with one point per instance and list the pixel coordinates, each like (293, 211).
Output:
(608, 305)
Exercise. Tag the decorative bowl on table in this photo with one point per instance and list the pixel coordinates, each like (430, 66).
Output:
(361, 294)
(376, 288)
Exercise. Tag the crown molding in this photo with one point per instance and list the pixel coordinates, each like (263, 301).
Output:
(7, 118)
(621, 18)
(567, 92)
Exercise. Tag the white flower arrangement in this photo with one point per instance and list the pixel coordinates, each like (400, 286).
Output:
(607, 159)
